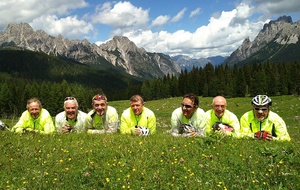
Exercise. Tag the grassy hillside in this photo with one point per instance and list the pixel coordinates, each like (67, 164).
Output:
(40, 66)
(81, 161)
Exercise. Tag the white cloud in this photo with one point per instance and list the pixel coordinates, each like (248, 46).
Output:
(195, 12)
(26, 11)
(45, 15)
(69, 27)
(121, 15)
(178, 16)
(243, 12)
(219, 37)
(269, 8)
(160, 20)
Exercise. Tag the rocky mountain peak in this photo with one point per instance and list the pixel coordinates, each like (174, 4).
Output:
(280, 20)
(246, 41)
(120, 51)
(13, 27)
(123, 43)
(281, 31)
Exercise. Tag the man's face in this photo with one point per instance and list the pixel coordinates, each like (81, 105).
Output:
(137, 107)
(71, 109)
(219, 106)
(188, 108)
(261, 112)
(34, 110)
(100, 106)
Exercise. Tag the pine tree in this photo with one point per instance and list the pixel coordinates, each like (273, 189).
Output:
(239, 83)
(182, 79)
(146, 90)
(193, 80)
(229, 82)
(211, 80)
(220, 78)
(294, 78)
(6, 100)
(174, 92)
(272, 78)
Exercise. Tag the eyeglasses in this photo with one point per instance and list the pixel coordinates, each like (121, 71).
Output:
(99, 97)
(70, 98)
(186, 105)
(262, 109)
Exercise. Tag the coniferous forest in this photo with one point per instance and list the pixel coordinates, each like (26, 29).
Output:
(249, 80)
(25, 75)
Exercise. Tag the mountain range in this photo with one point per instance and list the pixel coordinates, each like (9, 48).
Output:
(278, 41)
(188, 63)
(119, 54)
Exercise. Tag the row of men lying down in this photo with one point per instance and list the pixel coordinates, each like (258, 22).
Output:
(188, 120)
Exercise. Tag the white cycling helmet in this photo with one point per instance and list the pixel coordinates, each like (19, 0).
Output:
(144, 131)
(261, 100)
(187, 127)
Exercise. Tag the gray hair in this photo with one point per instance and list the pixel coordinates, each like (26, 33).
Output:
(70, 99)
(33, 100)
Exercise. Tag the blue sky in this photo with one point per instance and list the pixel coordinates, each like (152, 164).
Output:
(195, 28)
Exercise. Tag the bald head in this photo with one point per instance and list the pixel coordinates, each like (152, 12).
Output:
(219, 99)
(219, 105)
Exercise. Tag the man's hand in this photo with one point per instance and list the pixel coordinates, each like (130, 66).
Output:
(28, 130)
(193, 133)
(222, 128)
(263, 135)
(67, 128)
(222, 131)
(269, 137)
(137, 131)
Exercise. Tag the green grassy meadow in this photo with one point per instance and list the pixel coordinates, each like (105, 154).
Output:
(160, 161)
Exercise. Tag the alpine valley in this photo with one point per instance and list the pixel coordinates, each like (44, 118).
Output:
(119, 53)
(119, 63)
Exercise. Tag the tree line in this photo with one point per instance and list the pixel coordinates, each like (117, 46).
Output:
(248, 80)
(14, 95)
(25, 74)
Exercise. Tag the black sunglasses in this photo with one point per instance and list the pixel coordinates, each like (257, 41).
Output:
(186, 105)
(262, 109)
(70, 98)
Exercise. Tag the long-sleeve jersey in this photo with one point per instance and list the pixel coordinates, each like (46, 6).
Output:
(78, 124)
(273, 124)
(198, 121)
(107, 123)
(129, 121)
(228, 118)
(42, 124)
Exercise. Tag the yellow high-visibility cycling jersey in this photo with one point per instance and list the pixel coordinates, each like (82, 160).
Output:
(107, 123)
(198, 121)
(273, 124)
(129, 121)
(228, 118)
(43, 124)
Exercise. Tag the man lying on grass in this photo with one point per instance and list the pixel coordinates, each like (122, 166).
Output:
(263, 124)
(188, 120)
(35, 119)
(71, 120)
(137, 119)
(102, 118)
(220, 119)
